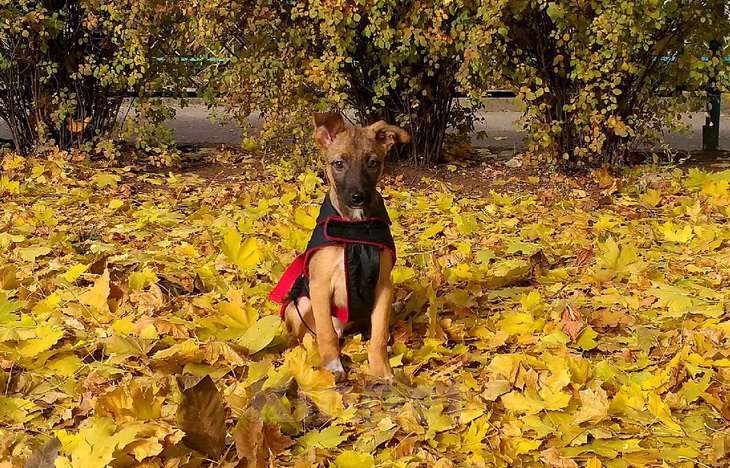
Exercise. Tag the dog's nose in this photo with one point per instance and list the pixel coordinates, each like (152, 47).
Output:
(357, 198)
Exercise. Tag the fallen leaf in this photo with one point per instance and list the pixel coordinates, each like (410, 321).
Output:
(244, 255)
(45, 456)
(352, 459)
(96, 297)
(594, 406)
(551, 457)
(572, 322)
(201, 417)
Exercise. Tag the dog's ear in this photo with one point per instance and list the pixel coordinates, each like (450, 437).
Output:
(326, 127)
(388, 134)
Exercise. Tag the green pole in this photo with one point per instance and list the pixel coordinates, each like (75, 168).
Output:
(711, 129)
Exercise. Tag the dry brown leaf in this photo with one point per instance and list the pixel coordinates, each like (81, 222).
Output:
(572, 322)
(551, 457)
(45, 456)
(249, 439)
(201, 416)
(612, 319)
(256, 442)
(583, 257)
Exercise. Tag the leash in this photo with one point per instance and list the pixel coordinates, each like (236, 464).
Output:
(296, 306)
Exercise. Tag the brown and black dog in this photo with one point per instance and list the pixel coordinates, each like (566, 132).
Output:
(354, 158)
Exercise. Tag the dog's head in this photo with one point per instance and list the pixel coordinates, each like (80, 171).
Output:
(354, 158)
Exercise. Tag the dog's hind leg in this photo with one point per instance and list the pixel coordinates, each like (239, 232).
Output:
(301, 321)
(339, 326)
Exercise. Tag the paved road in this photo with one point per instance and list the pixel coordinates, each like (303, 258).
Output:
(193, 126)
(503, 133)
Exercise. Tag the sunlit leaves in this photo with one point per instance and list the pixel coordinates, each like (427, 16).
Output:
(678, 234)
(352, 459)
(16, 410)
(102, 180)
(29, 254)
(616, 260)
(316, 383)
(45, 337)
(594, 406)
(605, 344)
(327, 438)
(661, 411)
(100, 438)
(131, 402)
(244, 255)
(258, 336)
(74, 272)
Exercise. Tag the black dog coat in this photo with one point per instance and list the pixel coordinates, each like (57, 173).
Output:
(363, 241)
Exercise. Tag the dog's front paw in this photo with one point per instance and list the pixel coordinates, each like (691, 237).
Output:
(335, 366)
(382, 371)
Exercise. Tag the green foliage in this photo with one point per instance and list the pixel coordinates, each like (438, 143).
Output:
(397, 61)
(65, 65)
(264, 75)
(391, 60)
(596, 78)
(594, 75)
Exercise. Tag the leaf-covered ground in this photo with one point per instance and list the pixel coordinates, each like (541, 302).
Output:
(563, 324)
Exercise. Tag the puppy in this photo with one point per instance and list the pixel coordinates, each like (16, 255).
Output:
(342, 281)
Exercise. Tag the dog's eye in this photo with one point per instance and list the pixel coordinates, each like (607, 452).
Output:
(373, 163)
(339, 164)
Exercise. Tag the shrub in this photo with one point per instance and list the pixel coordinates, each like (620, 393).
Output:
(267, 54)
(64, 65)
(398, 61)
(389, 60)
(594, 75)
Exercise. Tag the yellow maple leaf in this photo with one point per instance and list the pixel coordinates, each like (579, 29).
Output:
(95, 444)
(304, 219)
(554, 400)
(437, 420)
(244, 255)
(651, 198)
(97, 296)
(616, 260)
(9, 186)
(106, 180)
(131, 402)
(353, 459)
(401, 274)
(523, 403)
(234, 313)
(674, 233)
(64, 366)
(559, 372)
(74, 271)
(46, 336)
(327, 438)
(471, 440)
(594, 406)
(317, 384)
(659, 409)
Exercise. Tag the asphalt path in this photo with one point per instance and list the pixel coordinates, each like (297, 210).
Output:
(196, 124)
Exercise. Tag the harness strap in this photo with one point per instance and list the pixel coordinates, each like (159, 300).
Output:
(296, 306)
